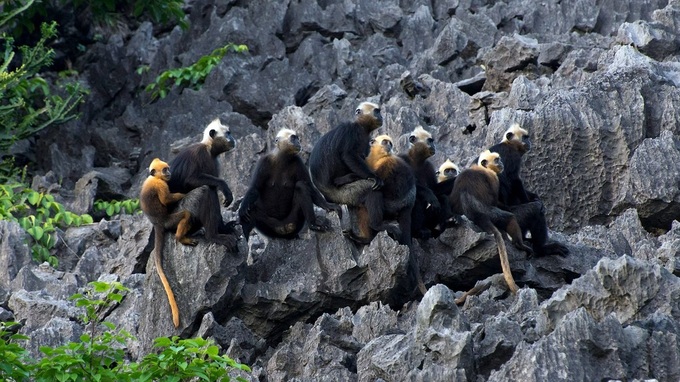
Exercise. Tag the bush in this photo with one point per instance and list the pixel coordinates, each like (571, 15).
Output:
(99, 355)
(39, 215)
(192, 76)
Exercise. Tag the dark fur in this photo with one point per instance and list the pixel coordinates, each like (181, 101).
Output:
(281, 198)
(197, 166)
(524, 204)
(337, 162)
(394, 200)
(431, 208)
(475, 195)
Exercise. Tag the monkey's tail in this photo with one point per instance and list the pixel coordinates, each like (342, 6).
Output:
(158, 252)
(505, 263)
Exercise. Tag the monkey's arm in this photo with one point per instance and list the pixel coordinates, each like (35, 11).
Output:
(358, 166)
(204, 179)
(256, 184)
(166, 197)
(427, 195)
(302, 174)
(519, 190)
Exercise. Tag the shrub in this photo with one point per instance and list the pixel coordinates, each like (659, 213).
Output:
(99, 355)
(192, 76)
(39, 215)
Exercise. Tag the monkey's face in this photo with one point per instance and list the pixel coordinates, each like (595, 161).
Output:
(422, 136)
(159, 169)
(385, 143)
(492, 161)
(519, 135)
(218, 138)
(288, 141)
(447, 170)
(368, 115)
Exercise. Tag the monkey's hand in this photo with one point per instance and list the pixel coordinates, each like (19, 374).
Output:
(334, 207)
(244, 216)
(377, 183)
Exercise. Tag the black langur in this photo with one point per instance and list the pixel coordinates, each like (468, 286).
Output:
(154, 199)
(475, 195)
(394, 200)
(337, 162)
(281, 195)
(514, 145)
(447, 172)
(196, 166)
(526, 205)
(446, 177)
(427, 212)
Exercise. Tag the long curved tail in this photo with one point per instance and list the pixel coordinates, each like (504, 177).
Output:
(505, 263)
(158, 252)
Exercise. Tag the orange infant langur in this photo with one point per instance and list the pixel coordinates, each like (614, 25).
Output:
(155, 198)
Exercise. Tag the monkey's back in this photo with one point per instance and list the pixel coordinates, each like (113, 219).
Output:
(149, 199)
(326, 159)
(190, 163)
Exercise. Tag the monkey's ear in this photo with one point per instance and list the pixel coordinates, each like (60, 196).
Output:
(152, 172)
(509, 135)
(212, 133)
(357, 111)
(372, 141)
(484, 162)
(437, 173)
(412, 138)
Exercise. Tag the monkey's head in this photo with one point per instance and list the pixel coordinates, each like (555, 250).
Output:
(421, 139)
(518, 136)
(368, 116)
(288, 141)
(159, 169)
(383, 143)
(447, 170)
(217, 138)
(491, 161)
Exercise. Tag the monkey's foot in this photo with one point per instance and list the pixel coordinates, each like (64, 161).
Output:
(230, 241)
(286, 229)
(355, 238)
(189, 242)
(554, 248)
(323, 227)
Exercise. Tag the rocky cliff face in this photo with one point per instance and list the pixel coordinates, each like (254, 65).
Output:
(595, 82)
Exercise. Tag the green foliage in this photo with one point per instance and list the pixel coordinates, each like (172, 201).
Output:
(13, 358)
(101, 349)
(109, 13)
(184, 360)
(192, 76)
(99, 355)
(114, 207)
(27, 104)
(39, 215)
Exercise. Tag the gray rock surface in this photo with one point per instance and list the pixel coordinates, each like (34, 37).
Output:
(596, 83)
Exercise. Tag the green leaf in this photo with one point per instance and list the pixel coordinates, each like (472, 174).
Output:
(87, 219)
(34, 198)
(36, 232)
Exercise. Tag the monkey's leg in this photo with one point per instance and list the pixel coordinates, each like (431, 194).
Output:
(375, 206)
(182, 220)
(418, 217)
(302, 202)
(531, 218)
(210, 217)
(506, 221)
(352, 194)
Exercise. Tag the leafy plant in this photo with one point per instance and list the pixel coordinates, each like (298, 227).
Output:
(24, 13)
(184, 360)
(39, 215)
(13, 358)
(100, 353)
(114, 207)
(27, 104)
(192, 76)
